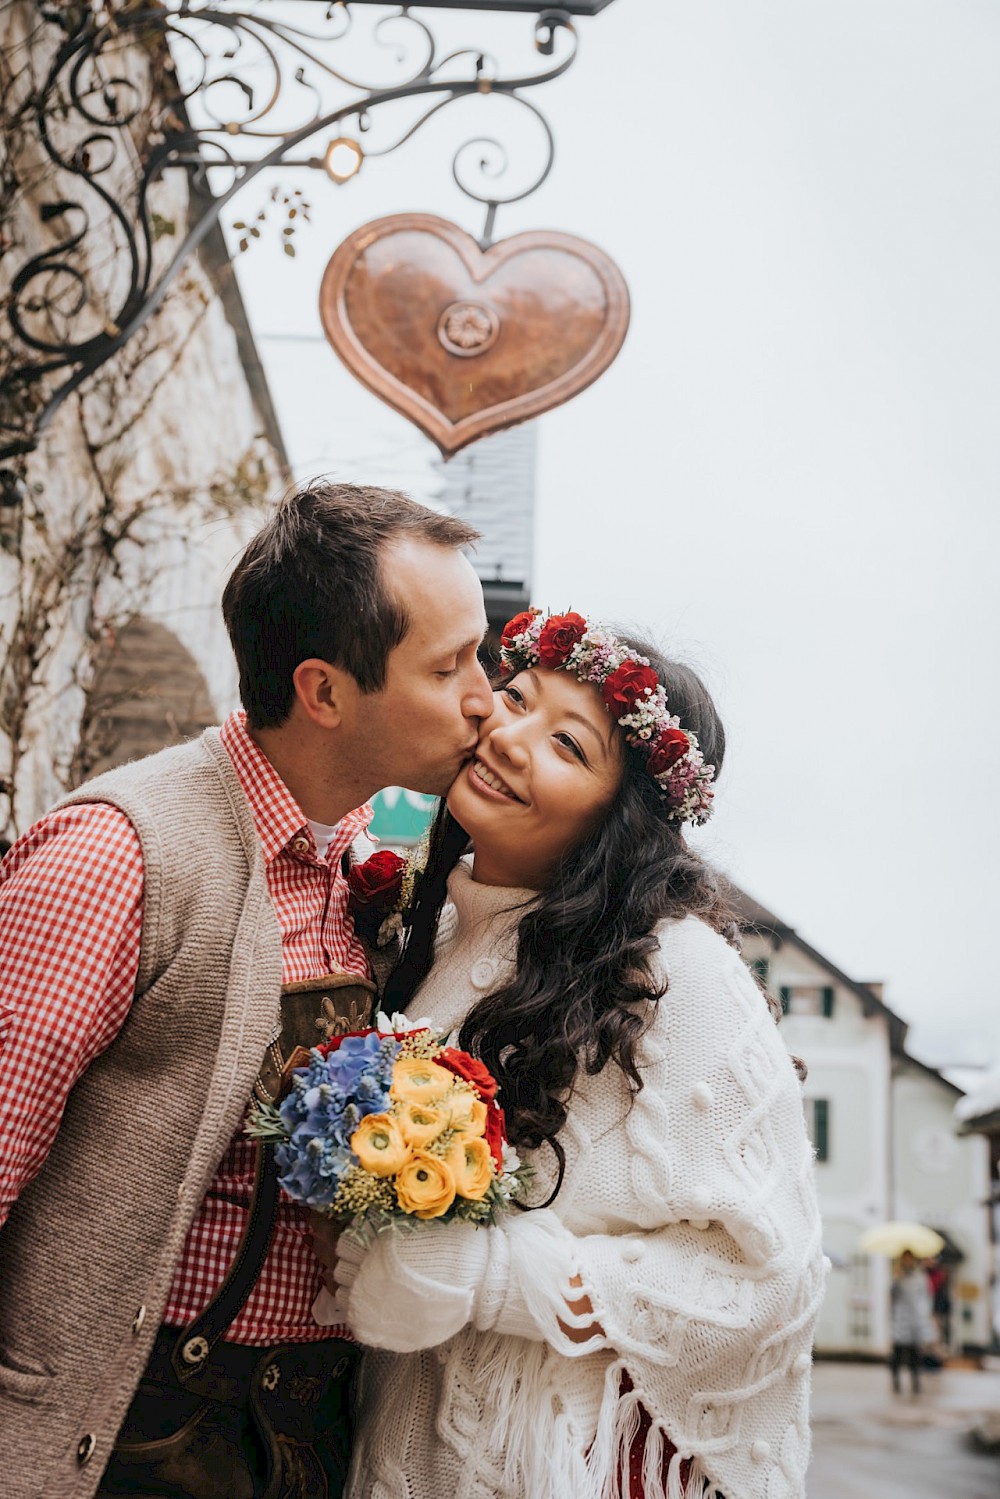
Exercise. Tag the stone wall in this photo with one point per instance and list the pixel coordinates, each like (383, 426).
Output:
(142, 492)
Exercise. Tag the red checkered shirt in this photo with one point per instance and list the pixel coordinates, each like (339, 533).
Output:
(70, 925)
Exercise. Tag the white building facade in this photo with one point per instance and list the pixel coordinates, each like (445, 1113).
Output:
(887, 1145)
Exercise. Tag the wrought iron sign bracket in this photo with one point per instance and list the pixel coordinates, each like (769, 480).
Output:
(135, 91)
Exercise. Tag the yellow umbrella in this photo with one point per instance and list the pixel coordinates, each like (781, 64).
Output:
(893, 1238)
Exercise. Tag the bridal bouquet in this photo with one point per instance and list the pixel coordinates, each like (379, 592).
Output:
(386, 1124)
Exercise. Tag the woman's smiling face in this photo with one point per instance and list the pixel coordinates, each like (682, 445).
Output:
(546, 769)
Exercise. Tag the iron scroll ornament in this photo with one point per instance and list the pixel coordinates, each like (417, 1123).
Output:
(134, 92)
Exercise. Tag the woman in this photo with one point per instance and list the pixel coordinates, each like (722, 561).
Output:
(912, 1322)
(645, 1329)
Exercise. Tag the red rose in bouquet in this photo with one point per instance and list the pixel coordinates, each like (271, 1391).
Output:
(470, 1070)
(378, 881)
(495, 1133)
(626, 685)
(671, 746)
(560, 634)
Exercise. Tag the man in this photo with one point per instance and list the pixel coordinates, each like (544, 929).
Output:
(146, 928)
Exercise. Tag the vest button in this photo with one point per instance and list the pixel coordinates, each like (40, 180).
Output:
(483, 973)
(138, 1320)
(85, 1448)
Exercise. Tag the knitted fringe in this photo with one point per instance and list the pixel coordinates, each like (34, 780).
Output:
(542, 1451)
(617, 1428)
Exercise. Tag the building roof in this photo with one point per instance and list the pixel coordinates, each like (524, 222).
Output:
(979, 1110)
(753, 917)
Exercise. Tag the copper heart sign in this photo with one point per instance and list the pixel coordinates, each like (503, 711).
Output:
(465, 341)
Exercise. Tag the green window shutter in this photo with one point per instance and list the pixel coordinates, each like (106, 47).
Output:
(760, 967)
(821, 1128)
(786, 998)
(828, 1002)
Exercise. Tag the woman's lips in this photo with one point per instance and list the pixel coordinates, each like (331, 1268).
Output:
(495, 787)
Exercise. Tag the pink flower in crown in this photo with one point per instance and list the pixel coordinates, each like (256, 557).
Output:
(602, 658)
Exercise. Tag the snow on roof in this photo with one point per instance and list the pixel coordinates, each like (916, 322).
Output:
(983, 1099)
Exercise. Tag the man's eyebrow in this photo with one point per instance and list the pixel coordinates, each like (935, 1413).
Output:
(473, 643)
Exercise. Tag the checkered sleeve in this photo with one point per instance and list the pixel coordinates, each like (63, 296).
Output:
(70, 927)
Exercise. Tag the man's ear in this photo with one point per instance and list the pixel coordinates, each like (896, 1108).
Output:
(327, 694)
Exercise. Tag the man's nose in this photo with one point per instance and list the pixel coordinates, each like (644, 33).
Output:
(478, 700)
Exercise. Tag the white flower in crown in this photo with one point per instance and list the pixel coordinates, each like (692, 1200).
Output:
(632, 693)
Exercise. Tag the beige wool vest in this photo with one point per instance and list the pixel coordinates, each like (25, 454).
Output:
(88, 1254)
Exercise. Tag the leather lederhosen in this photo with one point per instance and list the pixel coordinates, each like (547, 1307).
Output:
(218, 1420)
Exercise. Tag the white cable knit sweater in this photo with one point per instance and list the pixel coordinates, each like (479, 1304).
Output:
(692, 1221)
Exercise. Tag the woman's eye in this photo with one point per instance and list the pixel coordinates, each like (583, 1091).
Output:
(513, 694)
(571, 745)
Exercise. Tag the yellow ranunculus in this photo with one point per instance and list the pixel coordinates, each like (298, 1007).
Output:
(426, 1186)
(468, 1114)
(419, 1123)
(417, 1080)
(379, 1145)
(471, 1164)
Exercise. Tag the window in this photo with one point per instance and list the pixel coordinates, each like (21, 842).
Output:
(818, 1126)
(807, 999)
(760, 967)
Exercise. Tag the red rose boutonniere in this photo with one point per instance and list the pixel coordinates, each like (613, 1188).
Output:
(376, 891)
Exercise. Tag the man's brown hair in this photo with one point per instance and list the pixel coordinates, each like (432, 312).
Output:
(310, 584)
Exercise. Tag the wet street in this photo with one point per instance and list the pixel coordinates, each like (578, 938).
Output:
(870, 1444)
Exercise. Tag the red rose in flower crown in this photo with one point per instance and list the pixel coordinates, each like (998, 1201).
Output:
(378, 882)
(516, 626)
(671, 746)
(631, 691)
(626, 685)
(561, 633)
(470, 1071)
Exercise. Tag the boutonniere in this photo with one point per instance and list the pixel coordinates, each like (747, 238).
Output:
(381, 891)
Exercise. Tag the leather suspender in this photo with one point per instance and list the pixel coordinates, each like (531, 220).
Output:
(192, 1348)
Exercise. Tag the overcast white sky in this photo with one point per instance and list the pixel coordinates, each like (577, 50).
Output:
(790, 473)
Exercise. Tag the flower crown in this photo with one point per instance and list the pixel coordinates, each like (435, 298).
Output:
(633, 694)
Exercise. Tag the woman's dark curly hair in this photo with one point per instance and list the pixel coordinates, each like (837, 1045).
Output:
(584, 974)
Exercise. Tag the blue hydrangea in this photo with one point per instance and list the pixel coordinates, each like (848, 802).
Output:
(328, 1100)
